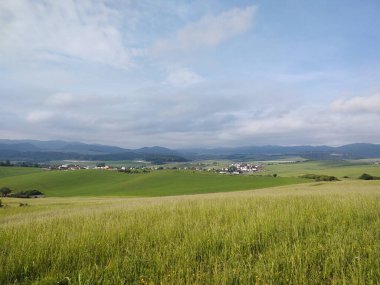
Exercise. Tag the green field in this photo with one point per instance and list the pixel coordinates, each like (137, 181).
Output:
(318, 233)
(16, 171)
(156, 183)
(352, 169)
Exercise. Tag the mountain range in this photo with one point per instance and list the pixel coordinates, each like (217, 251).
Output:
(43, 151)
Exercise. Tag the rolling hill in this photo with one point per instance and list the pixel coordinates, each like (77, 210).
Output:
(111, 183)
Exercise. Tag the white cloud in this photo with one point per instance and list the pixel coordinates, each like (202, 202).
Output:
(68, 100)
(182, 77)
(274, 125)
(39, 116)
(357, 104)
(211, 30)
(195, 121)
(54, 30)
(306, 76)
(60, 99)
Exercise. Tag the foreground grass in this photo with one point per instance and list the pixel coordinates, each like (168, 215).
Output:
(156, 183)
(320, 233)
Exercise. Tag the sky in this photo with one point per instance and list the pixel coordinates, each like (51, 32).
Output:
(190, 73)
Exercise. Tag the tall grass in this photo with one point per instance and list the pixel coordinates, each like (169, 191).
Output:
(328, 234)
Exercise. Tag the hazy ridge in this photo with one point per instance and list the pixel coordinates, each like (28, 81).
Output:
(39, 151)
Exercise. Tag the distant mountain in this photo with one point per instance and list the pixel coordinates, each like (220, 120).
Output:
(262, 150)
(91, 149)
(364, 150)
(41, 151)
(18, 147)
(60, 146)
(352, 151)
(41, 145)
(157, 150)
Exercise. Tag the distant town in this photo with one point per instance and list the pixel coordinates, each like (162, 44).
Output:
(234, 168)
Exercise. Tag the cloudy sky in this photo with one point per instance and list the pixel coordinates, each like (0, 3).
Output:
(190, 73)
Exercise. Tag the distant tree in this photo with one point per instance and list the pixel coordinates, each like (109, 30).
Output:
(318, 177)
(274, 175)
(33, 192)
(366, 176)
(5, 191)
(27, 194)
(232, 168)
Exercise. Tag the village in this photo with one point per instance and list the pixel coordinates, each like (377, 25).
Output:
(231, 169)
(241, 168)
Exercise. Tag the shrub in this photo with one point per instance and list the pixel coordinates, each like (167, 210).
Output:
(5, 191)
(366, 176)
(34, 192)
(318, 177)
(26, 194)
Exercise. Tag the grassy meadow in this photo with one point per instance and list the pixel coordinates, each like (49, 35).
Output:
(112, 183)
(317, 233)
(16, 171)
(351, 169)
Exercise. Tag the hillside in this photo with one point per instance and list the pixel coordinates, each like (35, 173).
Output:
(340, 169)
(157, 183)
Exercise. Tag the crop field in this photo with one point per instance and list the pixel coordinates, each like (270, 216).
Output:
(111, 183)
(340, 169)
(316, 233)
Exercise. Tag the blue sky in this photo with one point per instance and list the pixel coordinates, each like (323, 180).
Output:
(190, 73)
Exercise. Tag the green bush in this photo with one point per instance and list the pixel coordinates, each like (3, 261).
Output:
(318, 177)
(5, 191)
(366, 176)
(26, 194)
